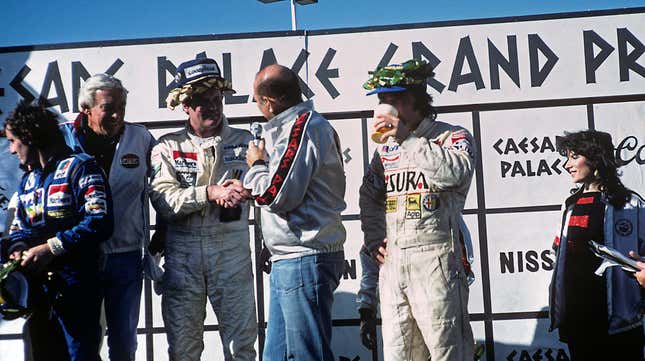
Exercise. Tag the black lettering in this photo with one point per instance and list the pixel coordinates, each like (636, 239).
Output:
(297, 65)
(538, 75)
(388, 55)
(16, 84)
(324, 73)
(230, 98)
(506, 166)
(78, 73)
(547, 260)
(529, 169)
(506, 262)
(510, 65)
(53, 77)
(419, 51)
(410, 181)
(592, 63)
(350, 269)
(547, 145)
(629, 61)
(537, 355)
(164, 66)
(532, 261)
(543, 167)
(525, 356)
(465, 53)
(511, 147)
(562, 355)
(520, 261)
(517, 169)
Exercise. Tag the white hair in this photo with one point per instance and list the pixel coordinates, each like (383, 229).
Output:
(97, 82)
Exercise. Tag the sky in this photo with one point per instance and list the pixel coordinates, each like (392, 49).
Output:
(37, 22)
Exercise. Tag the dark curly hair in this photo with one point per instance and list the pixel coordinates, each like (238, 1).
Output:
(598, 148)
(33, 124)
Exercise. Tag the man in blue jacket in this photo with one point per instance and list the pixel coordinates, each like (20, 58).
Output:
(64, 212)
(122, 150)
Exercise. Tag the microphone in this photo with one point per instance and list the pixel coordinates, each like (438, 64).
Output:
(256, 130)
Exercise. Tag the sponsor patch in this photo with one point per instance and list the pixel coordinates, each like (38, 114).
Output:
(59, 213)
(31, 181)
(63, 168)
(95, 206)
(430, 202)
(230, 158)
(405, 181)
(413, 206)
(58, 196)
(234, 146)
(624, 227)
(186, 179)
(130, 160)
(90, 179)
(95, 191)
(33, 203)
(585, 200)
(391, 204)
(185, 160)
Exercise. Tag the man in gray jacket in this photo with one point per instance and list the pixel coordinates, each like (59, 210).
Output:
(300, 188)
(122, 150)
(414, 192)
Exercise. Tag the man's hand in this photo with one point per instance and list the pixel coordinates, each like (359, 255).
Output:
(397, 128)
(37, 258)
(227, 195)
(640, 275)
(245, 193)
(255, 152)
(380, 253)
(368, 328)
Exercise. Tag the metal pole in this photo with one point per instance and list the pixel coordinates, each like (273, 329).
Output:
(293, 15)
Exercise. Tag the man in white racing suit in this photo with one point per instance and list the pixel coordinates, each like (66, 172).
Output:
(196, 188)
(413, 192)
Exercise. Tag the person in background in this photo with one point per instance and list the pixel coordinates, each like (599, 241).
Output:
(600, 318)
(64, 212)
(300, 188)
(122, 150)
(413, 193)
(196, 188)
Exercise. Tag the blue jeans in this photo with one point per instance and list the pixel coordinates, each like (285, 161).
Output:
(121, 282)
(301, 298)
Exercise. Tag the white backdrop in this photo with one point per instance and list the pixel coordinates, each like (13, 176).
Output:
(514, 83)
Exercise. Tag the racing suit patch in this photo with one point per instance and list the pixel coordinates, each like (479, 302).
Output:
(459, 140)
(187, 179)
(430, 202)
(391, 204)
(33, 203)
(63, 168)
(90, 179)
(187, 160)
(95, 206)
(413, 206)
(130, 160)
(58, 196)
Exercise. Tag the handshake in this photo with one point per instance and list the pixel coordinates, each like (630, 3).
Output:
(228, 194)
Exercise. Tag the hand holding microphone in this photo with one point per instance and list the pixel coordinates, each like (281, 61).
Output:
(256, 149)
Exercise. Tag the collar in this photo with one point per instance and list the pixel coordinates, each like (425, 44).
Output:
(289, 115)
(226, 130)
(425, 125)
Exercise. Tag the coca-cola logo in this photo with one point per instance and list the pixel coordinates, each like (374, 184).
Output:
(629, 150)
